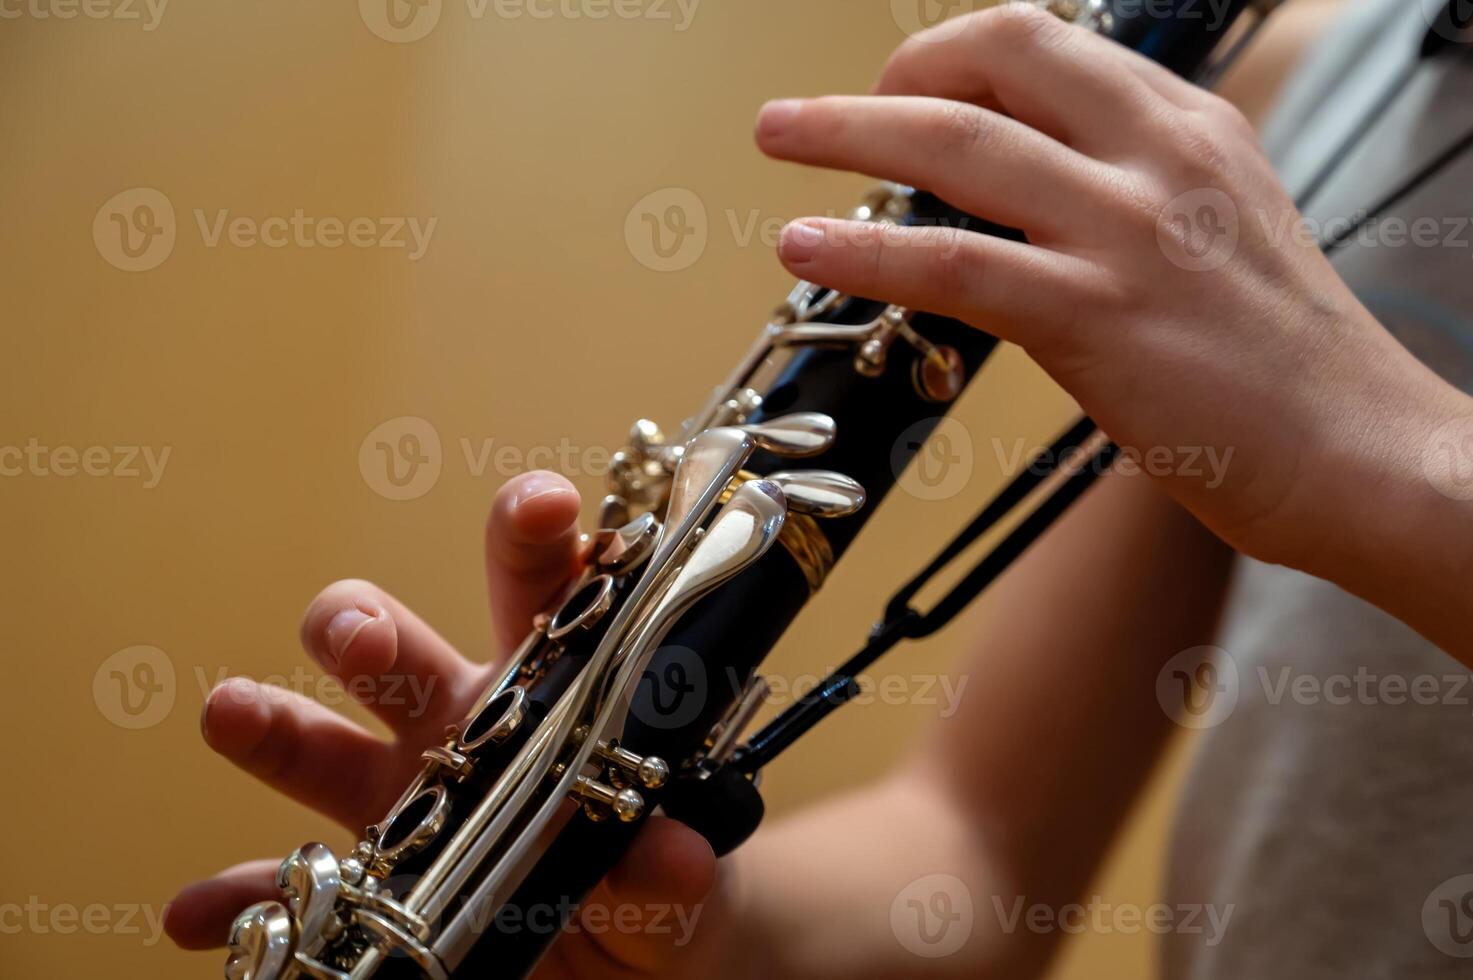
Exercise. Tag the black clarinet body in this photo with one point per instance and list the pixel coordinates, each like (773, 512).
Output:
(445, 886)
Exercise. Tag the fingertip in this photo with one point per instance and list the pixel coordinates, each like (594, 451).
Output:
(776, 118)
(344, 615)
(235, 717)
(361, 641)
(535, 508)
(184, 924)
(199, 917)
(801, 242)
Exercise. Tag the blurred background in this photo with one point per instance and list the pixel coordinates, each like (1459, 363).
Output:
(244, 244)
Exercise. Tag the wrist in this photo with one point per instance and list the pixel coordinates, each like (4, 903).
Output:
(1398, 520)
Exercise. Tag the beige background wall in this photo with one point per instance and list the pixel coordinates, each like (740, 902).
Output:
(529, 320)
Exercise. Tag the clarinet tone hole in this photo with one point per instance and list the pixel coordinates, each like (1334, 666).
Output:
(584, 608)
(415, 823)
(497, 719)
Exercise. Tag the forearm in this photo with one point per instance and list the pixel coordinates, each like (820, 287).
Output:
(814, 893)
(1019, 793)
(1063, 724)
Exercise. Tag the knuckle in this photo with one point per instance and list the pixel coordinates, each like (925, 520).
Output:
(1018, 23)
(959, 128)
(1200, 146)
(1139, 202)
(1230, 119)
(908, 56)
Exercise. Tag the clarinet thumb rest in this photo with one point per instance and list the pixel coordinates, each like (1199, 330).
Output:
(722, 806)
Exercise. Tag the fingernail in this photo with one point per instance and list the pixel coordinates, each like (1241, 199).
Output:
(535, 487)
(800, 241)
(777, 116)
(343, 629)
(538, 485)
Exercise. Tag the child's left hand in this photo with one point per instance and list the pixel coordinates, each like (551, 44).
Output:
(1162, 283)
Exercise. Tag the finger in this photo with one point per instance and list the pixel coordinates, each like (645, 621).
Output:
(387, 658)
(1007, 288)
(531, 550)
(299, 748)
(1064, 81)
(981, 161)
(638, 921)
(200, 916)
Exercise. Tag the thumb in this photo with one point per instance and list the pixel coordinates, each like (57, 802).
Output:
(639, 922)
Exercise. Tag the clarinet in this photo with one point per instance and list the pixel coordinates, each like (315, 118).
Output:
(634, 692)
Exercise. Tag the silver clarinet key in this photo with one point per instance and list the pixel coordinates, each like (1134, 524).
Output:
(260, 944)
(799, 434)
(309, 880)
(820, 493)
